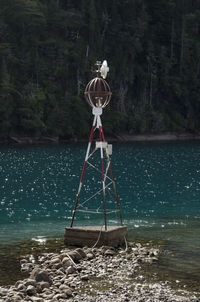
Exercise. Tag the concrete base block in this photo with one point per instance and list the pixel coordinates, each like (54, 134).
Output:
(89, 235)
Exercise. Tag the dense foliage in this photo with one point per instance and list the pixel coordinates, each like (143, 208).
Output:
(47, 49)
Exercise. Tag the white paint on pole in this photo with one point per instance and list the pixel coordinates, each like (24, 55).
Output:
(95, 119)
(79, 188)
(88, 150)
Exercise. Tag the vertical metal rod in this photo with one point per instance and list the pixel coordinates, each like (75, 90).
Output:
(83, 171)
(102, 166)
(113, 181)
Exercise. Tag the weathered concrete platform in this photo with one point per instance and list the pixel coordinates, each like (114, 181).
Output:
(89, 235)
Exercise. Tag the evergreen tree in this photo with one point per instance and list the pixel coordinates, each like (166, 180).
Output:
(47, 49)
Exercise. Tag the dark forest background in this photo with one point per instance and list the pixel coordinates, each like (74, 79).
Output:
(47, 49)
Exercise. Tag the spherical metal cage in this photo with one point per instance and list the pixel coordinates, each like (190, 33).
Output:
(97, 93)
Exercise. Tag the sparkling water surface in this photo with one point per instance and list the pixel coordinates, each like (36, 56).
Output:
(158, 184)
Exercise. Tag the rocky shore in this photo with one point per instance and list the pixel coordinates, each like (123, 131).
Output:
(94, 275)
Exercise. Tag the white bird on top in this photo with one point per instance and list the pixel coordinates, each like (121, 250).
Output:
(104, 69)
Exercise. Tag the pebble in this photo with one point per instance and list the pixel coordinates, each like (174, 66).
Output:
(93, 275)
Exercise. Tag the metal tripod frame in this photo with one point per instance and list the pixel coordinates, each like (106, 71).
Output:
(102, 143)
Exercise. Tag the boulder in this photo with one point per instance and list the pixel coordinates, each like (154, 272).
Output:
(75, 255)
(40, 275)
(66, 262)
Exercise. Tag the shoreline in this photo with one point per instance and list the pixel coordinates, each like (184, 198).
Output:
(20, 140)
(93, 274)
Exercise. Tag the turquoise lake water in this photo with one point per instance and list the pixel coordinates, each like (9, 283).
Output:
(158, 184)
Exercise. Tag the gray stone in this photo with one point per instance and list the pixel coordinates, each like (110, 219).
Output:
(68, 292)
(63, 287)
(85, 278)
(154, 252)
(57, 297)
(40, 275)
(48, 296)
(66, 262)
(90, 256)
(18, 283)
(79, 268)
(61, 272)
(21, 287)
(72, 284)
(44, 284)
(29, 282)
(3, 291)
(31, 290)
(22, 261)
(75, 255)
(81, 252)
(16, 298)
(37, 299)
(27, 267)
(109, 253)
(55, 261)
(57, 265)
(71, 270)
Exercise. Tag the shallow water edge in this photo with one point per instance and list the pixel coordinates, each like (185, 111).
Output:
(103, 274)
(159, 271)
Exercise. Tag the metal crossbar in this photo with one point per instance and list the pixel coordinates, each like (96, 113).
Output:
(80, 205)
(102, 143)
(98, 170)
(95, 149)
(97, 211)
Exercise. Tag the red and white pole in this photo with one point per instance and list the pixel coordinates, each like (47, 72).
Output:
(99, 125)
(113, 181)
(84, 167)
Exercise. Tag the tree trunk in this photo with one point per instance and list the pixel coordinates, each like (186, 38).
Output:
(198, 68)
(123, 88)
(150, 81)
(172, 42)
(182, 43)
(150, 89)
(78, 82)
(87, 51)
(106, 20)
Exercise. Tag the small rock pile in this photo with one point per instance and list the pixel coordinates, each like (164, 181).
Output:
(91, 274)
